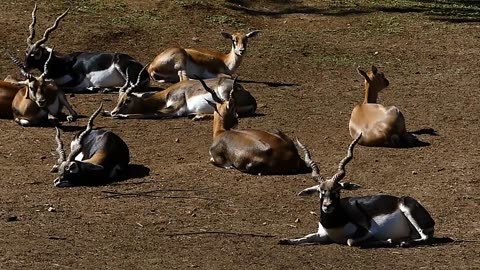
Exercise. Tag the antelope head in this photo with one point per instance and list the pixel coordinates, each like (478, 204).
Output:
(37, 86)
(374, 79)
(69, 170)
(37, 53)
(240, 40)
(225, 109)
(329, 189)
(127, 100)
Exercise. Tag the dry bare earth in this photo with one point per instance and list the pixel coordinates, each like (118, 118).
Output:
(302, 69)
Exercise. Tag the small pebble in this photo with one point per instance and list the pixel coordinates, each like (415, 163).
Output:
(12, 218)
(52, 209)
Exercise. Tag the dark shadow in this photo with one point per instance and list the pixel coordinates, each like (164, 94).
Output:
(71, 128)
(434, 241)
(451, 11)
(137, 171)
(270, 84)
(425, 131)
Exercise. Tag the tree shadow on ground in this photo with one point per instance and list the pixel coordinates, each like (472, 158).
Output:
(460, 11)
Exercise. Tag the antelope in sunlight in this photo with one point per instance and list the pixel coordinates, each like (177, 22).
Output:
(250, 151)
(369, 221)
(379, 125)
(8, 91)
(80, 71)
(184, 98)
(96, 156)
(179, 64)
(38, 100)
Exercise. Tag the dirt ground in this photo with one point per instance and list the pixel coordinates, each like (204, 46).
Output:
(179, 211)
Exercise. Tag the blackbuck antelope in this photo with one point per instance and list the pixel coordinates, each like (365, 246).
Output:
(379, 125)
(97, 156)
(39, 101)
(250, 151)
(176, 64)
(370, 221)
(184, 98)
(80, 71)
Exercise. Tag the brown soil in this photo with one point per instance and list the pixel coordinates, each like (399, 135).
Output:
(301, 69)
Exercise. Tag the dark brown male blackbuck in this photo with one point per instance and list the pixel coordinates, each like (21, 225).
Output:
(38, 102)
(97, 156)
(251, 151)
(370, 221)
(178, 64)
(80, 71)
(379, 125)
(186, 98)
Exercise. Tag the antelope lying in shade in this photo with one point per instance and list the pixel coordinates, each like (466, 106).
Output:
(379, 125)
(181, 99)
(96, 156)
(38, 101)
(176, 64)
(370, 221)
(80, 71)
(249, 150)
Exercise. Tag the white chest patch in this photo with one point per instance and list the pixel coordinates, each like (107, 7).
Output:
(106, 78)
(338, 235)
(79, 157)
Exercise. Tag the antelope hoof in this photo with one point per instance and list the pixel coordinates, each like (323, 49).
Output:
(60, 183)
(120, 116)
(106, 113)
(54, 169)
(71, 118)
(284, 242)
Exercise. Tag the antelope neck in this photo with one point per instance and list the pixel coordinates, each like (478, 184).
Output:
(371, 94)
(233, 60)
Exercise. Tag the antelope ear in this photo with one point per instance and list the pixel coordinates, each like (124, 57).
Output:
(364, 74)
(374, 70)
(226, 35)
(309, 191)
(253, 34)
(349, 186)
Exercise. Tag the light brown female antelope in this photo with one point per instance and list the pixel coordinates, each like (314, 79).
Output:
(251, 151)
(370, 221)
(176, 64)
(184, 98)
(97, 156)
(379, 125)
(39, 101)
(8, 91)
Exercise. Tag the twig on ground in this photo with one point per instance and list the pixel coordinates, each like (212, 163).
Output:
(221, 232)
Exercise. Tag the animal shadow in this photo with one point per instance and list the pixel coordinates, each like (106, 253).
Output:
(137, 171)
(412, 141)
(434, 241)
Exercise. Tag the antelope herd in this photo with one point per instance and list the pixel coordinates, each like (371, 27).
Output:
(206, 86)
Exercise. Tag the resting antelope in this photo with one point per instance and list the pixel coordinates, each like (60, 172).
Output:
(80, 71)
(379, 125)
(181, 99)
(97, 156)
(251, 151)
(176, 64)
(8, 91)
(370, 221)
(38, 101)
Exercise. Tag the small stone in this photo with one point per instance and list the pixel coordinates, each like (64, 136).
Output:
(12, 218)
(297, 220)
(51, 209)
(414, 172)
(177, 140)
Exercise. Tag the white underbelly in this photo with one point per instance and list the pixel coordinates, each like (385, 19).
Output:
(392, 226)
(338, 235)
(106, 78)
(198, 105)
